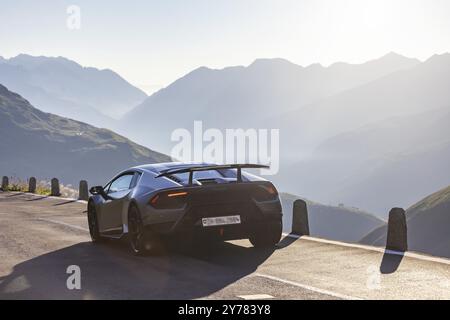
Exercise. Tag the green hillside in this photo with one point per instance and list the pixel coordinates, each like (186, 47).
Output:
(428, 226)
(34, 143)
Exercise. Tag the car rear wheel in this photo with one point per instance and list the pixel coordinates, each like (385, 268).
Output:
(136, 232)
(140, 239)
(93, 223)
(267, 235)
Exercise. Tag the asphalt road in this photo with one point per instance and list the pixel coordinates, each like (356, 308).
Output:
(41, 237)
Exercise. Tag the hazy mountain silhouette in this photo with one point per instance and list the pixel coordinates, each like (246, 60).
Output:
(372, 135)
(245, 96)
(332, 222)
(428, 222)
(388, 144)
(420, 88)
(63, 87)
(34, 143)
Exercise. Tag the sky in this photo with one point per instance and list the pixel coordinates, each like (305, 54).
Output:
(153, 43)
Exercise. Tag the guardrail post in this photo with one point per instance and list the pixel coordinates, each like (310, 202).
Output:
(32, 185)
(5, 183)
(300, 223)
(55, 188)
(83, 193)
(397, 237)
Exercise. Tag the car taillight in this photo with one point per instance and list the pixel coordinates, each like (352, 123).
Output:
(177, 194)
(169, 200)
(154, 200)
(265, 193)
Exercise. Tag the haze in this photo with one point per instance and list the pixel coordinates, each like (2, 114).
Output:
(152, 43)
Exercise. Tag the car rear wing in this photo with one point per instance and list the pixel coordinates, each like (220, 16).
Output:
(191, 170)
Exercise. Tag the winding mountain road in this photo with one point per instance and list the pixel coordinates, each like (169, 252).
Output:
(40, 237)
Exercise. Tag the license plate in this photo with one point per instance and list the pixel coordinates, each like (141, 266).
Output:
(221, 221)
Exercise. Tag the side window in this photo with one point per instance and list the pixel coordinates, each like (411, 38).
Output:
(135, 180)
(122, 183)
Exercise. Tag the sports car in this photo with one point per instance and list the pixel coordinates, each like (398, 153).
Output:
(188, 202)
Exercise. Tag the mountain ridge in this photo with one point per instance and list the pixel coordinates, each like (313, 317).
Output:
(62, 86)
(370, 130)
(35, 143)
(255, 93)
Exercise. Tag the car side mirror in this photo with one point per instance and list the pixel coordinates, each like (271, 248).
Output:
(98, 190)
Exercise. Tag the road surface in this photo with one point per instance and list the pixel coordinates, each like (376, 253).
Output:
(40, 237)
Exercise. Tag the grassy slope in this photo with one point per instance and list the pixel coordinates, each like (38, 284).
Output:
(428, 222)
(45, 145)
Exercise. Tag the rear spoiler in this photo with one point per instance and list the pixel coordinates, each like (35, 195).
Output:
(191, 170)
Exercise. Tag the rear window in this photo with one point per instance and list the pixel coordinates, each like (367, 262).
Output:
(211, 174)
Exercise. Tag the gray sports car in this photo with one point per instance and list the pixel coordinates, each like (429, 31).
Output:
(186, 201)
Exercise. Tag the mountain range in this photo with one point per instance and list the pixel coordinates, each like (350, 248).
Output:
(246, 97)
(377, 146)
(347, 132)
(61, 86)
(34, 143)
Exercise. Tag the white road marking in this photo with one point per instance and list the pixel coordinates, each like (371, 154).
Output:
(256, 297)
(304, 286)
(64, 224)
(370, 248)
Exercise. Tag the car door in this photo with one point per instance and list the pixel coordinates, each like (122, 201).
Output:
(111, 214)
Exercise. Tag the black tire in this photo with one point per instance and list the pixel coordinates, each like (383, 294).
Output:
(93, 224)
(141, 241)
(136, 233)
(267, 235)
